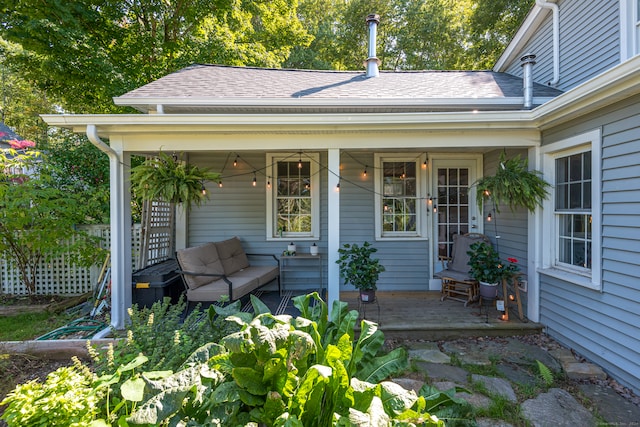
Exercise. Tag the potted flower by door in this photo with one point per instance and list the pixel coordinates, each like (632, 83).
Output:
(488, 269)
(484, 261)
(359, 269)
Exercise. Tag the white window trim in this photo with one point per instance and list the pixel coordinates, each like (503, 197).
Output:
(549, 232)
(272, 159)
(421, 186)
(629, 29)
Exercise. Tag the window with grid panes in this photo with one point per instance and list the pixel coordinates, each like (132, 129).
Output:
(573, 209)
(293, 211)
(400, 197)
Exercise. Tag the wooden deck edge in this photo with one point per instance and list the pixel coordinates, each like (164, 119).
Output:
(52, 349)
(445, 332)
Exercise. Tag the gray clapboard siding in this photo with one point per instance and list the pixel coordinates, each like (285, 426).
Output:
(589, 43)
(239, 209)
(603, 326)
(406, 261)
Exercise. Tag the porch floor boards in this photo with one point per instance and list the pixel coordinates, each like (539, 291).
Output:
(421, 315)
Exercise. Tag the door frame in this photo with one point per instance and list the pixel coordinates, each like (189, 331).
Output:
(474, 161)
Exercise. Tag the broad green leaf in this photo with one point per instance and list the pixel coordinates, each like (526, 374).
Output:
(133, 389)
(250, 379)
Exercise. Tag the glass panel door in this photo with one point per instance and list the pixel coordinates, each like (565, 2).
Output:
(455, 209)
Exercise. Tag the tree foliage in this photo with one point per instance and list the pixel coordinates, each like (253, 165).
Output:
(38, 219)
(413, 34)
(88, 51)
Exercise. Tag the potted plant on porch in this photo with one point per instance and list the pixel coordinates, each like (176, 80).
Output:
(488, 269)
(359, 269)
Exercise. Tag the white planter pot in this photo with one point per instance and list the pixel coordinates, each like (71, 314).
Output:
(488, 290)
(313, 249)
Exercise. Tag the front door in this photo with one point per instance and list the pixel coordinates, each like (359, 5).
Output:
(454, 206)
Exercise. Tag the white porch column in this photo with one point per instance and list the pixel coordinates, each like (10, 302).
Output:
(120, 217)
(333, 232)
(121, 264)
(534, 248)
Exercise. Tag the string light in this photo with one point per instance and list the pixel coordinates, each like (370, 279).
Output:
(255, 180)
(220, 184)
(235, 162)
(424, 165)
(269, 183)
(338, 185)
(365, 171)
(203, 189)
(300, 162)
(489, 217)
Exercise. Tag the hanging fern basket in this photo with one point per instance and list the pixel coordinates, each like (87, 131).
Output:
(513, 185)
(171, 180)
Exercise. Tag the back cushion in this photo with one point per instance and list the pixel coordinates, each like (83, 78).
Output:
(200, 259)
(460, 261)
(232, 255)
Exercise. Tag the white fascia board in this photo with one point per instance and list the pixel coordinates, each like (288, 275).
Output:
(151, 104)
(520, 39)
(618, 83)
(243, 123)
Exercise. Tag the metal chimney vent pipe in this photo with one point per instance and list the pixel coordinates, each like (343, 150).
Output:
(372, 61)
(528, 61)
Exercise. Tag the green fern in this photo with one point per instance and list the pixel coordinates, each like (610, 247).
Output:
(166, 178)
(545, 373)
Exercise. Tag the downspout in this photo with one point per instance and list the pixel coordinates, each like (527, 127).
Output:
(117, 262)
(556, 38)
(372, 61)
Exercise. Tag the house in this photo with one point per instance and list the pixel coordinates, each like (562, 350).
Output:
(389, 157)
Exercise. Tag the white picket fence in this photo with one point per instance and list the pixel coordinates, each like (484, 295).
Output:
(59, 277)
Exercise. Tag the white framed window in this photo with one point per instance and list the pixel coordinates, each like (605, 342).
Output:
(571, 232)
(629, 28)
(399, 187)
(293, 198)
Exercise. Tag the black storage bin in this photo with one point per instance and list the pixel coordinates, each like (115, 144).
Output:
(155, 282)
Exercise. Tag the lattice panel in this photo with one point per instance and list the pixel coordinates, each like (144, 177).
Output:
(59, 277)
(158, 224)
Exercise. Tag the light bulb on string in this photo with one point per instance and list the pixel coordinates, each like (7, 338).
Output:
(235, 162)
(255, 180)
(364, 173)
(489, 217)
(220, 184)
(203, 189)
(269, 182)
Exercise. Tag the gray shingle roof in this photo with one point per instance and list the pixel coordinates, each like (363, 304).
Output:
(224, 85)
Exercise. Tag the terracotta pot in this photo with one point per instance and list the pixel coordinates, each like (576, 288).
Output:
(488, 290)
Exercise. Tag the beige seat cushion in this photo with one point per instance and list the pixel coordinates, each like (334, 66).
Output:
(244, 282)
(232, 255)
(200, 259)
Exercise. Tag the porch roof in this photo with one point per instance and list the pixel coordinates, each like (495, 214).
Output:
(214, 88)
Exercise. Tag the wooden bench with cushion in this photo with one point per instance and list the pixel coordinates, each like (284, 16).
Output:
(214, 270)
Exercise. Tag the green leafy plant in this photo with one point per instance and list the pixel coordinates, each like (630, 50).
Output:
(357, 267)
(162, 333)
(66, 398)
(38, 220)
(486, 265)
(545, 373)
(167, 178)
(280, 371)
(513, 184)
